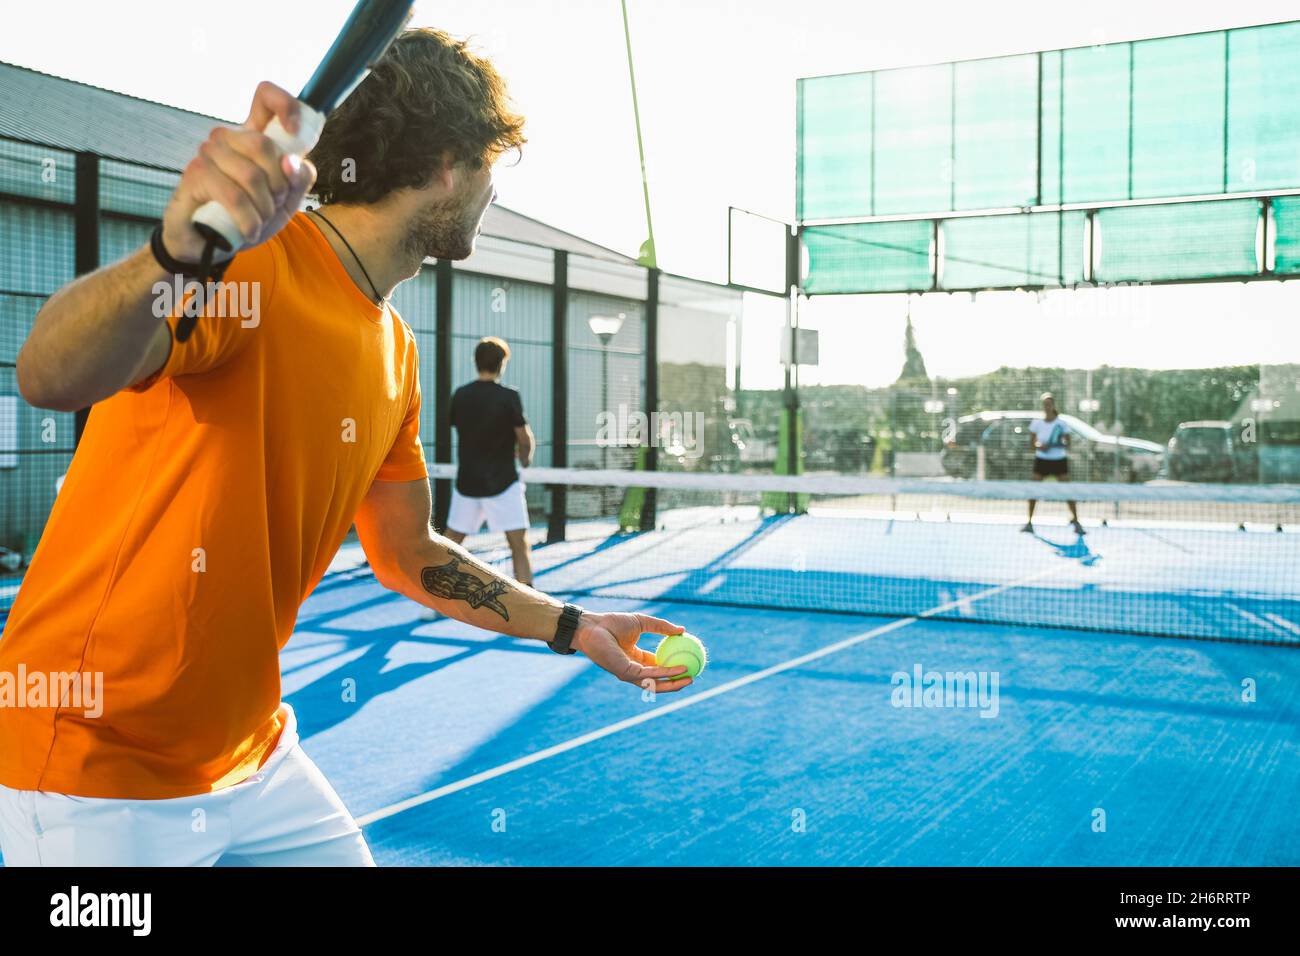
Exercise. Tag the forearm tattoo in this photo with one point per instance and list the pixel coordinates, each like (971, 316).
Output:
(452, 582)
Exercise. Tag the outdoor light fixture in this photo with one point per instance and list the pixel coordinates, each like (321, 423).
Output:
(605, 327)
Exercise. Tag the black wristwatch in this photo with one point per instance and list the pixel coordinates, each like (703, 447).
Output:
(564, 631)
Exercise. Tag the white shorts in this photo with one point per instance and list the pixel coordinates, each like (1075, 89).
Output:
(507, 511)
(286, 814)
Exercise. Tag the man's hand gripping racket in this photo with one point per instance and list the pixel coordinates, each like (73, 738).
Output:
(248, 182)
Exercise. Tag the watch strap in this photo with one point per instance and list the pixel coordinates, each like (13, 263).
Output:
(566, 629)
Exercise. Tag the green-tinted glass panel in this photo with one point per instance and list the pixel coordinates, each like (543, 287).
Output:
(1264, 108)
(1178, 116)
(834, 174)
(996, 132)
(1096, 123)
(913, 159)
(1153, 119)
(1286, 225)
(868, 257)
(1049, 151)
(1018, 250)
(1181, 241)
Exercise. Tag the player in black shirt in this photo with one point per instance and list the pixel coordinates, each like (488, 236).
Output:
(489, 420)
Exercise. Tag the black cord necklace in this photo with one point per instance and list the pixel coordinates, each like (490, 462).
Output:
(360, 265)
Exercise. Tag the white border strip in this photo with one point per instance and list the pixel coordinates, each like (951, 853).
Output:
(854, 485)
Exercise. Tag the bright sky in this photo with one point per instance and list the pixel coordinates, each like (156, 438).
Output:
(716, 85)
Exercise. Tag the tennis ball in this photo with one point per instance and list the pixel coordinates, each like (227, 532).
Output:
(678, 649)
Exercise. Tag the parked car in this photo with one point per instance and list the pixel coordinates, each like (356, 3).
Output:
(845, 451)
(1210, 451)
(1278, 451)
(1004, 438)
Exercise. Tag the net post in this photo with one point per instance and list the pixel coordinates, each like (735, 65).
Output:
(442, 389)
(651, 390)
(559, 503)
(86, 239)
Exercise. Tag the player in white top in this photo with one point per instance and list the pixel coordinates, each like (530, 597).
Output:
(1049, 437)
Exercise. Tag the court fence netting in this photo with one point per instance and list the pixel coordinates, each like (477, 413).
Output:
(1213, 562)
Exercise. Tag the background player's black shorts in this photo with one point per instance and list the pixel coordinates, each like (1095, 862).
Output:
(1047, 467)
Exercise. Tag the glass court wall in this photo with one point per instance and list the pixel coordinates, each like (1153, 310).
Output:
(978, 157)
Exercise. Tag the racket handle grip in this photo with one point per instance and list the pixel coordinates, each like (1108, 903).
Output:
(213, 221)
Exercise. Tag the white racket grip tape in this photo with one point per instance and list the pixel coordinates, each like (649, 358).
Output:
(310, 123)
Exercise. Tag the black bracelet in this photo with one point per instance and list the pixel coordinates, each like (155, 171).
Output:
(186, 270)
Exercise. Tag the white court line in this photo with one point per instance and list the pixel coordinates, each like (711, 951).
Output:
(1283, 622)
(572, 744)
(1260, 622)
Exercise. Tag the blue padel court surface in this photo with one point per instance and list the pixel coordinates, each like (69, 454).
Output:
(1103, 748)
(452, 745)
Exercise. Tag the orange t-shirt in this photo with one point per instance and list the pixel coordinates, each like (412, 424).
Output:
(200, 509)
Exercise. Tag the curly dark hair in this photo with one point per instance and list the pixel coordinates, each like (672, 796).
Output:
(427, 95)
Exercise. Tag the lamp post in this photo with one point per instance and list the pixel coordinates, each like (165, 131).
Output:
(605, 327)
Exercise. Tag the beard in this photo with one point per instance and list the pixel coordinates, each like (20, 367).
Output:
(442, 230)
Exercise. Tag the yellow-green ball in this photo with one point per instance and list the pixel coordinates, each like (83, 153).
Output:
(678, 649)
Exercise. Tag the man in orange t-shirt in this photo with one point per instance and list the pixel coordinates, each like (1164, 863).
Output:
(218, 476)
